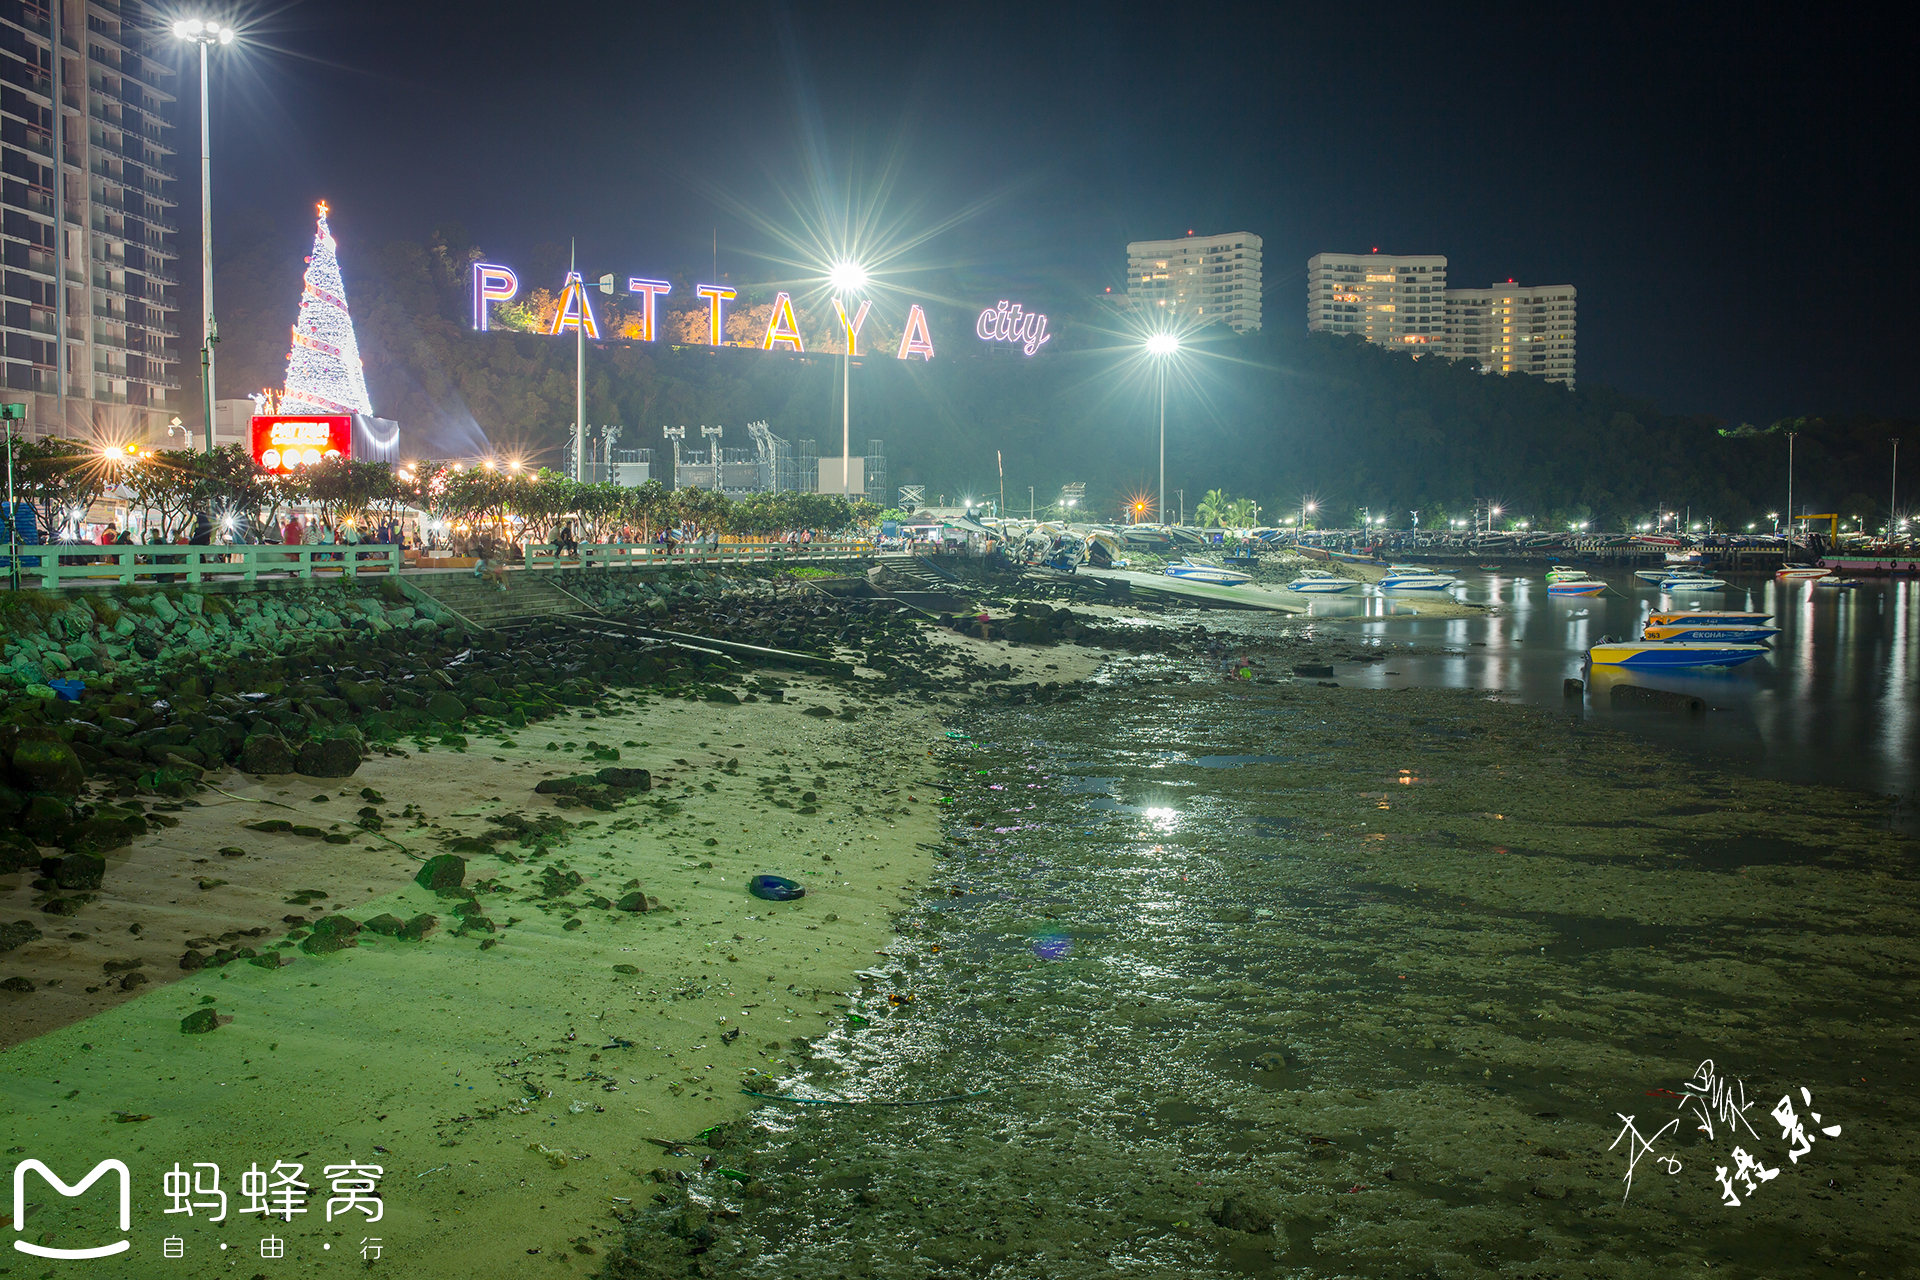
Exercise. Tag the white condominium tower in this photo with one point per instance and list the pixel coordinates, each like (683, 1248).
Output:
(1515, 328)
(1207, 278)
(1387, 298)
(1403, 302)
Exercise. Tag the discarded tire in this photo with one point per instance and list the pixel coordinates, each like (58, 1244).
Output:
(775, 888)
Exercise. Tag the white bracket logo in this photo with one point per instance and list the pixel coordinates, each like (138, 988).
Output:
(20, 1207)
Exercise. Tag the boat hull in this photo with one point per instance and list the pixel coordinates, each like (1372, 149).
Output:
(1322, 586)
(1666, 653)
(1711, 635)
(1671, 585)
(1707, 617)
(1418, 582)
(1575, 588)
(1210, 574)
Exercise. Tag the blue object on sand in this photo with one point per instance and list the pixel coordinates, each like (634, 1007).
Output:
(775, 888)
(67, 690)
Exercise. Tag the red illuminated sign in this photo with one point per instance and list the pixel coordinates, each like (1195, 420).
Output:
(286, 443)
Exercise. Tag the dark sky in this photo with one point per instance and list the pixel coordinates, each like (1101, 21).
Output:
(1730, 189)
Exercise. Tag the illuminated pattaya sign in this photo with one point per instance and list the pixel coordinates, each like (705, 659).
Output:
(1007, 324)
(495, 283)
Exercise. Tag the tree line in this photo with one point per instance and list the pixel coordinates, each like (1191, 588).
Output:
(174, 490)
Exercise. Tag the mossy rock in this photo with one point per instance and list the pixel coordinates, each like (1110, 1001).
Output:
(386, 924)
(418, 927)
(48, 764)
(442, 871)
(329, 758)
(199, 1022)
(446, 708)
(267, 753)
(331, 933)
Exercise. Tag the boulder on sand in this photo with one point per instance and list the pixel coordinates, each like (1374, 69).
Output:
(267, 753)
(329, 758)
(442, 871)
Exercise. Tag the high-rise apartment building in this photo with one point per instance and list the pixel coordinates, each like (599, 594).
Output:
(1205, 279)
(1515, 328)
(111, 221)
(1403, 302)
(1392, 299)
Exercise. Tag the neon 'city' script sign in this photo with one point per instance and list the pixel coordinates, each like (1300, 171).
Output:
(1007, 324)
(495, 283)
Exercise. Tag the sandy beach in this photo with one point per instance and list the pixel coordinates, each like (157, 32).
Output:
(519, 1072)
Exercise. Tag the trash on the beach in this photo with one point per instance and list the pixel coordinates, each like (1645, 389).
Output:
(67, 690)
(958, 736)
(775, 888)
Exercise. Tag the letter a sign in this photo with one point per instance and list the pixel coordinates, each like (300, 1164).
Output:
(20, 1207)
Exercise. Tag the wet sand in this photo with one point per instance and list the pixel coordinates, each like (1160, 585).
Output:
(1318, 981)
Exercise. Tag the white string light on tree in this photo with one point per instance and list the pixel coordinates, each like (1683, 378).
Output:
(323, 369)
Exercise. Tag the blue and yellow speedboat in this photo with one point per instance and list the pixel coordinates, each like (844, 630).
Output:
(1670, 653)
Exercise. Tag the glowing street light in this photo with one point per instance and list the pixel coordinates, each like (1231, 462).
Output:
(847, 278)
(1160, 346)
(204, 33)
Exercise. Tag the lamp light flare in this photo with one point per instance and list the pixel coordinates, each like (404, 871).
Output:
(847, 277)
(1163, 344)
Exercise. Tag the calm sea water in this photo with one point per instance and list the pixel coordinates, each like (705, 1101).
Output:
(1835, 702)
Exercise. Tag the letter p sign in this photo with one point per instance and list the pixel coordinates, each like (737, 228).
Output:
(491, 284)
(20, 1207)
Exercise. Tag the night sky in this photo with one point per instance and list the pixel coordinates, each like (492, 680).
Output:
(1728, 191)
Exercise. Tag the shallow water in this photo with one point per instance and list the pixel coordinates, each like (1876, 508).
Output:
(1833, 703)
(1393, 1000)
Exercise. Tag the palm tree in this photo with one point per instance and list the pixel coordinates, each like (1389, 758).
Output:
(1213, 508)
(1240, 513)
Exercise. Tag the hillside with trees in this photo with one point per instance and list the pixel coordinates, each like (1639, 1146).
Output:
(1267, 417)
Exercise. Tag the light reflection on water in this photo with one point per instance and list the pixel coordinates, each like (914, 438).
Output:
(1834, 702)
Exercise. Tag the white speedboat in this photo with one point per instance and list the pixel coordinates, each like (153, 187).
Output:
(1692, 582)
(1320, 582)
(1406, 578)
(1187, 569)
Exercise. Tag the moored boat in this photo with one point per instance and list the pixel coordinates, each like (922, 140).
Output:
(1576, 587)
(1703, 633)
(1191, 570)
(1406, 578)
(1800, 572)
(1670, 653)
(1563, 574)
(1320, 582)
(1692, 582)
(1709, 617)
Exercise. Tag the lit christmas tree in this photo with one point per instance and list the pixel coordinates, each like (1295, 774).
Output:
(323, 369)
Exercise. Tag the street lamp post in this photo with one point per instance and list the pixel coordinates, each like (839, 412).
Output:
(846, 277)
(1160, 346)
(1789, 551)
(202, 33)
